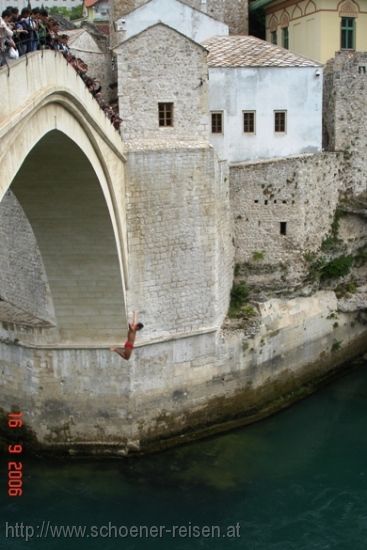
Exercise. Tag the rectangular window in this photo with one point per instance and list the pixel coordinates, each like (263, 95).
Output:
(165, 114)
(217, 123)
(249, 122)
(280, 122)
(347, 33)
(273, 37)
(285, 38)
(283, 228)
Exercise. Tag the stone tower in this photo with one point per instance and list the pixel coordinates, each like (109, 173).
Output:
(232, 12)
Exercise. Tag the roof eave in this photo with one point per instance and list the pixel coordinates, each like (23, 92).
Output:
(256, 4)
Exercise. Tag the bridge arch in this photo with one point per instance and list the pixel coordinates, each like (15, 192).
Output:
(60, 155)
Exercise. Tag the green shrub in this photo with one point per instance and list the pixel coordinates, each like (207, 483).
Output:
(248, 311)
(239, 296)
(331, 241)
(339, 267)
(239, 293)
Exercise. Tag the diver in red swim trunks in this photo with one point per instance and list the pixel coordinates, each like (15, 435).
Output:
(127, 350)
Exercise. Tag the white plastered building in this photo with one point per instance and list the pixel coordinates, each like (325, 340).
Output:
(194, 24)
(264, 101)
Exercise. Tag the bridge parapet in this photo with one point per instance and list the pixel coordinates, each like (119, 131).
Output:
(40, 75)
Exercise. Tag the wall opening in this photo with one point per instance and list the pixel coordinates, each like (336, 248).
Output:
(283, 228)
(61, 197)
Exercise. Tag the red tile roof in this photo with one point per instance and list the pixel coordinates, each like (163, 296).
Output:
(90, 3)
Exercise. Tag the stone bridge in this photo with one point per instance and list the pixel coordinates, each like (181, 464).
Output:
(68, 215)
(63, 221)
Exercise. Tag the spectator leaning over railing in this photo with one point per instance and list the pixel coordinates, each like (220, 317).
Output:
(6, 36)
(34, 30)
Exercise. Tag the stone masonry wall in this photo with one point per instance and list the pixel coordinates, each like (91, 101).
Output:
(345, 115)
(232, 12)
(84, 401)
(23, 281)
(161, 65)
(179, 240)
(301, 191)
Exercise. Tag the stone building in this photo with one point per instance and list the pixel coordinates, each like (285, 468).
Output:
(92, 47)
(165, 104)
(175, 184)
(264, 101)
(233, 13)
(316, 28)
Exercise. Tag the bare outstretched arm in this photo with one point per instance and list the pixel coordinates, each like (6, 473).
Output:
(127, 350)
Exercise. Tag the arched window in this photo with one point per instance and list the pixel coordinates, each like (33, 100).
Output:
(348, 12)
(347, 33)
(284, 23)
(273, 25)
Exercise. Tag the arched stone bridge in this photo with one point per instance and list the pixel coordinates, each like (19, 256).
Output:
(62, 215)
(67, 217)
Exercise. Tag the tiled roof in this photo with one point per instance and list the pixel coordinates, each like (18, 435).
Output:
(248, 51)
(90, 3)
(74, 34)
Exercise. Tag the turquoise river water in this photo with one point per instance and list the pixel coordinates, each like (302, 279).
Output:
(297, 480)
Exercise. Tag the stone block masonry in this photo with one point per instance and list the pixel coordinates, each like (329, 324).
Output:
(181, 80)
(23, 282)
(345, 115)
(179, 239)
(85, 401)
(301, 192)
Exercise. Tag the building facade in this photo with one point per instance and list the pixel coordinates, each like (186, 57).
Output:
(233, 13)
(96, 10)
(165, 105)
(180, 16)
(264, 102)
(316, 28)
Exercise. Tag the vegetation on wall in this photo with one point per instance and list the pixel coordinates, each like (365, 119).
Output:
(338, 267)
(332, 241)
(239, 308)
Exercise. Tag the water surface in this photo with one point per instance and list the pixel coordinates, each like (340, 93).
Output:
(296, 481)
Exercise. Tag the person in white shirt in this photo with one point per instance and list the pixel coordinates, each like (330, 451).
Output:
(5, 35)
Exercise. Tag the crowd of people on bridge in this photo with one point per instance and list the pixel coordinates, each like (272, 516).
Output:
(32, 30)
